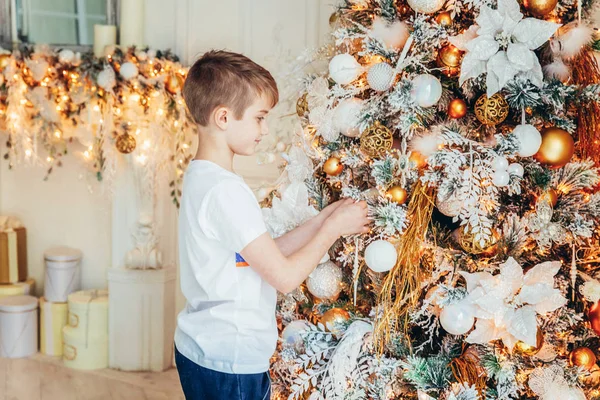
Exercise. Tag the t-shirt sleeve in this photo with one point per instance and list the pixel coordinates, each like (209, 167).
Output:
(231, 215)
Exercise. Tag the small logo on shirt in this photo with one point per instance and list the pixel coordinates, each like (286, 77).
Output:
(239, 261)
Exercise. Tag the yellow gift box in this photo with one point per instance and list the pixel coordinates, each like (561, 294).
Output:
(17, 289)
(53, 317)
(13, 251)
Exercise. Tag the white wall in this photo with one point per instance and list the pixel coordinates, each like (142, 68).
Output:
(63, 210)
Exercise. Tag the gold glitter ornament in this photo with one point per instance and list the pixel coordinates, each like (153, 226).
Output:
(125, 143)
(302, 105)
(332, 318)
(376, 140)
(491, 111)
(470, 245)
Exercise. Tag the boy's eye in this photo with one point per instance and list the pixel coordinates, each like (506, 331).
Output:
(261, 118)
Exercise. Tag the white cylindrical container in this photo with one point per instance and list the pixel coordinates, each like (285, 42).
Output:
(18, 326)
(63, 275)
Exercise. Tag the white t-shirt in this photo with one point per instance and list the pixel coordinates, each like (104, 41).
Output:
(228, 323)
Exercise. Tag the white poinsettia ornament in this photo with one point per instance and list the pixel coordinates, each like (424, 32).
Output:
(506, 304)
(292, 210)
(543, 230)
(502, 44)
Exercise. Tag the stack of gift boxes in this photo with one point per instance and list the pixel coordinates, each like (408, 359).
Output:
(72, 323)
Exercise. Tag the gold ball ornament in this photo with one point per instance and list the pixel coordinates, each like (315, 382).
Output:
(125, 143)
(449, 58)
(583, 357)
(302, 105)
(527, 350)
(470, 245)
(419, 159)
(457, 108)
(444, 18)
(333, 317)
(333, 166)
(557, 148)
(594, 317)
(376, 140)
(174, 83)
(491, 111)
(550, 195)
(540, 8)
(397, 194)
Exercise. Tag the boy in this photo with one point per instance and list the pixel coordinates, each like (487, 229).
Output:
(230, 267)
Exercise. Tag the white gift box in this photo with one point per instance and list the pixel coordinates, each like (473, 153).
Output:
(18, 326)
(63, 274)
(141, 318)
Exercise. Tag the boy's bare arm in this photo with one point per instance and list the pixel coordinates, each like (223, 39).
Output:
(298, 237)
(285, 273)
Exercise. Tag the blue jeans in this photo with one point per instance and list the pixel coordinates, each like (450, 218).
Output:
(199, 383)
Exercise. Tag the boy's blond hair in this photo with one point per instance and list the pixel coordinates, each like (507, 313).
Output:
(222, 78)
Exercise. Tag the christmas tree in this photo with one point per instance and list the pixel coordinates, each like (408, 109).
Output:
(470, 128)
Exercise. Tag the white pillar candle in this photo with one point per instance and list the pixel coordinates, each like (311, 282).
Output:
(104, 35)
(13, 22)
(131, 23)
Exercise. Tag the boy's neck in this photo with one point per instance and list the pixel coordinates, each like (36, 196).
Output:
(212, 148)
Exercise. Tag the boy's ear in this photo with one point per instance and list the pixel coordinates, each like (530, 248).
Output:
(221, 117)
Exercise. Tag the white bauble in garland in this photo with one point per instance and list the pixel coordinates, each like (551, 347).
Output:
(66, 56)
(381, 76)
(343, 68)
(516, 169)
(128, 70)
(426, 6)
(426, 90)
(106, 78)
(458, 318)
(291, 333)
(381, 256)
(325, 281)
(499, 163)
(450, 207)
(346, 117)
(501, 178)
(529, 139)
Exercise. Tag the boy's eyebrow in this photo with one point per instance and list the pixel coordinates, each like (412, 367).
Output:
(264, 111)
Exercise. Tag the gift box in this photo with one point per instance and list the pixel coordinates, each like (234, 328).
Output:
(88, 313)
(13, 250)
(84, 353)
(17, 289)
(53, 318)
(18, 326)
(62, 276)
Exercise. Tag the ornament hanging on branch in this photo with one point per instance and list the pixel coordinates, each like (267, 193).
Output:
(457, 108)
(381, 256)
(376, 140)
(540, 8)
(397, 194)
(449, 58)
(343, 68)
(594, 317)
(457, 319)
(333, 166)
(426, 90)
(325, 281)
(528, 350)
(126, 143)
(583, 357)
(491, 110)
(334, 319)
(302, 105)
(426, 6)
(557, 148)
(381, 76)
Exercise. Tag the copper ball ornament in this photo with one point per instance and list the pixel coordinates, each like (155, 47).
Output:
(449, 58)
(582, 357)
(457, 108)
(528, 350)
(397, 194)
(550, 195)
(444, 18)
(174, 83)
(333, 166)
(557, 148)
(594, 317)
(540, 8)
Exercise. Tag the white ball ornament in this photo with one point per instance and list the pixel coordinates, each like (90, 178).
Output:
(381, 76)
(457, 319)
(343, 68)
(325, 281)
(381, 256)
(280, 146)
(346, 117)
(426, 6)
(426, 90)
(500, 178)
(450, 207)
(500, 163)
(516, 169)
(529, 139)
(291, 333)
(393, 35)
(66, 56)
(106, 78)
(128, 70)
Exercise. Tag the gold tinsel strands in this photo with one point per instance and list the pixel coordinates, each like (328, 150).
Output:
(467, 368)
(585, 72)
(401, 287)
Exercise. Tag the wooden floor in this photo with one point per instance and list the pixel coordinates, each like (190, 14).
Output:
(46, 378)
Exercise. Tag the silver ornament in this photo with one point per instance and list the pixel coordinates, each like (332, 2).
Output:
(291, 336)
(381, 76)
(426, 6)
(325, 281)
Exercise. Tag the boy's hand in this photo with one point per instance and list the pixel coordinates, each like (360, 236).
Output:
(349, 218)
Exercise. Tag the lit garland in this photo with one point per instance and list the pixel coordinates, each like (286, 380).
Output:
(129, 101)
